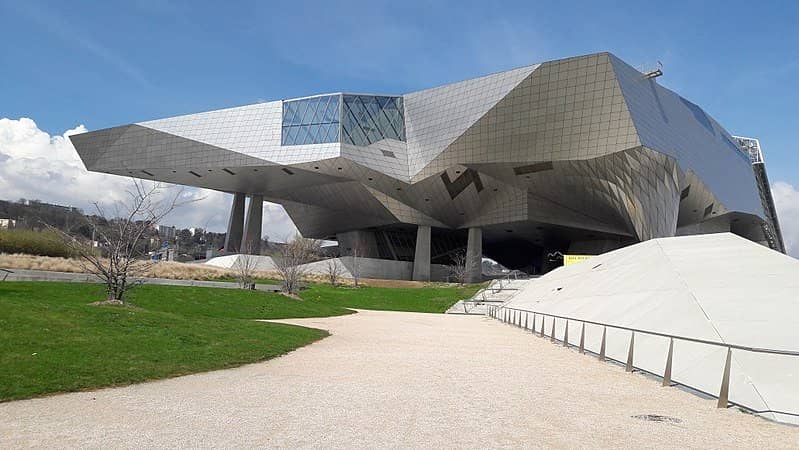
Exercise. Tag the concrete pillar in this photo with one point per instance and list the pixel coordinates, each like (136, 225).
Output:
(474, 255)
(235, 224)
(421, 257)
(251, 242)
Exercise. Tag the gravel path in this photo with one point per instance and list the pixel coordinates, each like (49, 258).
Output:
(395, 380)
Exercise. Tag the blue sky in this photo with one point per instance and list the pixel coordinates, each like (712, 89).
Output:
(103, 64)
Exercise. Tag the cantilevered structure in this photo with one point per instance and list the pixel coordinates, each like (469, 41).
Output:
(579, 155)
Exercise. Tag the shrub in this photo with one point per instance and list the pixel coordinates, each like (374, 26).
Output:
(41, 243)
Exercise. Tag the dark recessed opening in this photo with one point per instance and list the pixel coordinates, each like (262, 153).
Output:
(399, 189)
(147, 173)
(174, 171)
(316, 167)
(195, 174)
(457, 171)
(129, 171)
(495, 189)
(591, 235)
(210, 170)
(539, 228)
(427, 199)
(461, 213)
(287, 171)
(255, 170)
(370, 178)
(228, 171)
(339, 168)
(509, 231)
(527, 176)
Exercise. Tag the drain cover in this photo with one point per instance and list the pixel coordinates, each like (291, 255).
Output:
(657, 418)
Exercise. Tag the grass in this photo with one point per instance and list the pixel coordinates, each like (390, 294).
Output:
(430, 299)
(52, 340)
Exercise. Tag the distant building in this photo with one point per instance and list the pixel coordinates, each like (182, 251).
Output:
(166, 233)
(8, 223)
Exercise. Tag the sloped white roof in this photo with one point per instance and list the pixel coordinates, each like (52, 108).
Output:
(717, 287)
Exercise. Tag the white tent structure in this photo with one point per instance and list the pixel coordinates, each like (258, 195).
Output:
(719, 287)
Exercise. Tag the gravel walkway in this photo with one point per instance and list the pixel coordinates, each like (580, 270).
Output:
(395, 380)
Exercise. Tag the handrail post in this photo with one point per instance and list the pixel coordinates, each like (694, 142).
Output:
(629, 367)
(543, 323)
(566, 334)
(602, 345)
(582, 339)
(724, 393)
(526, 319)
(667, 371)
(552, 337)
(533, 328)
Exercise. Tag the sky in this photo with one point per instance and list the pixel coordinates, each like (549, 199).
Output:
(85, 65)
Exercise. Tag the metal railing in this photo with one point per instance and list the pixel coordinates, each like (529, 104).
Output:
(513, 316)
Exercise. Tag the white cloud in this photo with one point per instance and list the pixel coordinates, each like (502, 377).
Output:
(786, 199)
(36, 165)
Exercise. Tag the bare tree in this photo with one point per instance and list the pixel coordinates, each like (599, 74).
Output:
(291, 258)
(457, 268)
(245, 266)
(334, 270)
(120, 237)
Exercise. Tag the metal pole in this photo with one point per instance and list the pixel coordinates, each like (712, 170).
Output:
(552, 338)
(602, 346)
(533, 329)
(582, 339)
(725, 381)
(543, 322)
(526, 320)
(667, 371)
(566, 335)
(629, 367)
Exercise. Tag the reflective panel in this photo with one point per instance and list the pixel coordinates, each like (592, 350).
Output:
(368, 119)
(312, 120)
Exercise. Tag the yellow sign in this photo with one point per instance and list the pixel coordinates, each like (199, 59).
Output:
(571, 259)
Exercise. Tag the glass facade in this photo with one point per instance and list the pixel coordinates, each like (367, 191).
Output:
(368, 119)
(312, 120)
(365, 119)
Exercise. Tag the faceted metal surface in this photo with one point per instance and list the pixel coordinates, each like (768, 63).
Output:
(583, 152)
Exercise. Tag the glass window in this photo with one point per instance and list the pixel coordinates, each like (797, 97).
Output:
(312, 120)
(368, 119)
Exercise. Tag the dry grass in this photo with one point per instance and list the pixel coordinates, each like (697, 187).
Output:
(171, 270)
(184, 271)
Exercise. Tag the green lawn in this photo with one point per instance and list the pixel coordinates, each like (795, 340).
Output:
(52, 340)
(434, 299)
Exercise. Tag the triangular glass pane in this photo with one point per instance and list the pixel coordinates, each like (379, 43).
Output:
(291, 136)
(302, 106)
(302, 134)
(289, 113)
(318, 104)
(309, 113)
(331, 114)
(321, 108)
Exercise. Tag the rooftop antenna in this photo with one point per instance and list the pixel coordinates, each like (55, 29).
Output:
(652, 71)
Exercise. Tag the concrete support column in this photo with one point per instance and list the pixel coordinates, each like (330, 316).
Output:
(235, 224)
(251, 242)
(474, 255)
(421, 257)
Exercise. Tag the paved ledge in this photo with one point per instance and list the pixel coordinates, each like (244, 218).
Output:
(68, 277)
